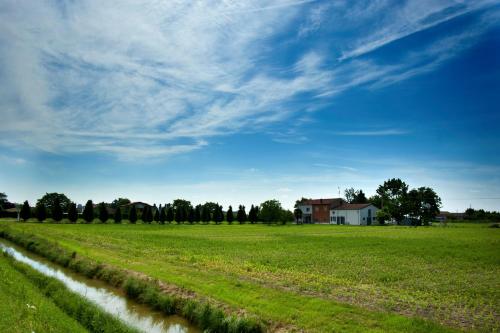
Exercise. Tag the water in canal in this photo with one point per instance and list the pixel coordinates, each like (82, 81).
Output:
(112, 300)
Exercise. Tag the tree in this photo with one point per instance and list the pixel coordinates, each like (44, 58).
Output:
(156, 214)
(252, 215)
(197, 213)
(3, 200)
(170, 214)
(103, 212)
(191, 215)
(350, 194)
(298, 215)
(49, 200)
(118, 215)
(360, 197)
(132, 215)
(286, 216)
(211, 206)
(163, 215)
(88, 212)
(120, 202)
(205, 214)
(393, 194)
(270, 211)
(241, 215)
(218, 215)
(72, 213)
(229, 215)
(299, 202)
(25, 211)
(57, 213)
(147, 214)
(376, 200)
(383, 216)
(41, 212)
(180, 215)
(423, 204)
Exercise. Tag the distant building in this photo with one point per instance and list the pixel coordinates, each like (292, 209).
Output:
(353, 214)
(139, 205)
(318, 210)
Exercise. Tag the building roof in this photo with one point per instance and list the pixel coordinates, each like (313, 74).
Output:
(331, 201)
(137, 203)
(348, 206)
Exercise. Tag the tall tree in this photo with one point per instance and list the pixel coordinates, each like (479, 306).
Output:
(88, 212)
(270, 211)
(205, 214)
(393, 194)
(229, 215)
(298, 215)
(218, 215)
(132, 215)
(423, 204)
(118, 215)
(41, 212)
(241, 215)
(25, 211)
(360, 197)
(57, 213)
(163, 215)
(350, 194)
(170, 214)
(3, 199)
(72, 213)
(103, 212)
(197, 213)
(156, 217)
(252, 215)
(191, 214)
(49, 200)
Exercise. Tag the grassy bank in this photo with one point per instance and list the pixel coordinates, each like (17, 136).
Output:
(317, 278)
(199, 311)
(24, 308)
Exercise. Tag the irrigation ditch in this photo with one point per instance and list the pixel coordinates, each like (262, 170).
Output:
(137, 300)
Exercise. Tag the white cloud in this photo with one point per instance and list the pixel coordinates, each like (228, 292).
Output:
(152, 79)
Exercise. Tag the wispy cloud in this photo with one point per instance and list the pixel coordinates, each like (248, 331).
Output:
(383, 132)
(134, 78)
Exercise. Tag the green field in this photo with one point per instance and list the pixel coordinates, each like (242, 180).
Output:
(24, 308)
(316, 278)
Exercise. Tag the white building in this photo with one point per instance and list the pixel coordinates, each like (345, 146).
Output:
(354, 214)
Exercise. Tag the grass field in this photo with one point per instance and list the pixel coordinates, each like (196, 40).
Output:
(316, 278)
(24, 308)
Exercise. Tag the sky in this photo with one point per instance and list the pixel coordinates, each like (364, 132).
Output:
(238, 102)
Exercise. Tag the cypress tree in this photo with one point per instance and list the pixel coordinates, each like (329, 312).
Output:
(103, 212)
(41, 212)
(118, 215)
(72, 213)
(149, 215)
(25, 211)
(57, 213)
(191, 214)
(179, 216)
(163, 215)
(229, 215)
(170, 214)
(241, 216)
(205, 214)
(252, 214)
(218, 215)
(156, 214)
(132, 215)
(197, 213)
(88, 212)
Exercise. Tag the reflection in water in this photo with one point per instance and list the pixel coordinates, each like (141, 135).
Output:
(112, 300)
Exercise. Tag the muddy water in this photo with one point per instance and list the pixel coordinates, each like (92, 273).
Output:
(112, 300)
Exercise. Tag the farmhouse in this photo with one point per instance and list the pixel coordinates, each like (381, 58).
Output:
(318, 210)
(353, 214)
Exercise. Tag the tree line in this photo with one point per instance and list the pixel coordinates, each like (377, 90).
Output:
(58, 206)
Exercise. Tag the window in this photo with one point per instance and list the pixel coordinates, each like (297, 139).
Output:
(307, 209)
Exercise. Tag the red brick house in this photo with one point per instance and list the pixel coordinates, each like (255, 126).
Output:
(318, 210)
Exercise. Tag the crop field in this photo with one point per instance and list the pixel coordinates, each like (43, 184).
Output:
(24, 308)
(314, 278)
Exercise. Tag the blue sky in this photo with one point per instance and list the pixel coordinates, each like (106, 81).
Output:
(243, 101)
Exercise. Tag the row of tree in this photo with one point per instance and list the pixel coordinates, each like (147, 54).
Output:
(57, 206)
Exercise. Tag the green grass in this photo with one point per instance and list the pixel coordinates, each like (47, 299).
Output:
(317, 278)
(24, 308)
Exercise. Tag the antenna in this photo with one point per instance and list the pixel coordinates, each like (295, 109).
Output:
(339, 190)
